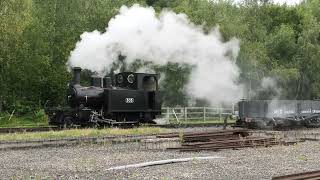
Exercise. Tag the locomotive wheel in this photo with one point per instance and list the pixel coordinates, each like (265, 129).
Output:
(271, 125)
(315, 123)
(67, 122)
(264, 124)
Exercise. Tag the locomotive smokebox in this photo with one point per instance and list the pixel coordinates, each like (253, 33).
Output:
(76, 75)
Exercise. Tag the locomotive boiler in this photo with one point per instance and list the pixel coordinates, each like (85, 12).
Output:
(124, 98)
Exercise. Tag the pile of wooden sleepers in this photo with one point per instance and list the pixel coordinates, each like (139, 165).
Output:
(219, 139)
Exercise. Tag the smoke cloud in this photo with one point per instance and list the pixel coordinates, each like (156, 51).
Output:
(268, 89)
(139, 33)
(270, 84)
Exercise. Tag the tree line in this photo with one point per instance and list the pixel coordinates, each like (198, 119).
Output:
(36, 37)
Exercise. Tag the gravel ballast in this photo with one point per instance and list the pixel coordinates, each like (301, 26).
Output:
(92, 162)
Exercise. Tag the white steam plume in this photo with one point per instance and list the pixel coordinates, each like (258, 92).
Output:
(138, 33)
(270, 83)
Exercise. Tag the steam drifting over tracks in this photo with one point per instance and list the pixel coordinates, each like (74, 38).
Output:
(304, 175)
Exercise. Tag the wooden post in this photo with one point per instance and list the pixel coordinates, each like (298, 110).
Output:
(225, 122)
(220, 111)
(185, 113)
(0, 104)
(11, 114)
(204, 113)
(175, 115)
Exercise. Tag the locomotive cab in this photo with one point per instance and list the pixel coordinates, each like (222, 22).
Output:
(137, 81)
(136, 94)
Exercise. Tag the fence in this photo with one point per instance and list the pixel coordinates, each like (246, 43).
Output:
(196, 114)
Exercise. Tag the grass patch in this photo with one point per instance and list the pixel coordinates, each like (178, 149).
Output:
(82, 133)
(35, 119)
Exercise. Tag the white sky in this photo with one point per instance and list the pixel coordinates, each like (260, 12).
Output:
(288, 2)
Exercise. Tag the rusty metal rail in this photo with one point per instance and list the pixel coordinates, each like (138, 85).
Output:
(203, 134)
(300, 176)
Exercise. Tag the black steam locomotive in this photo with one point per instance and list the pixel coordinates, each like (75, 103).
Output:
(125, 98)
(269, 114)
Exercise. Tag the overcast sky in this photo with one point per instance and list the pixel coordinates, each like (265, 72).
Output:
(289, 2)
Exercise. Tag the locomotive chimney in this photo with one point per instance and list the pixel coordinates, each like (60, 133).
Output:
(76, 75)
(107, 82)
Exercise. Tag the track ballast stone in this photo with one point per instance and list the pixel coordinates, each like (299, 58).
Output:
(91, 162)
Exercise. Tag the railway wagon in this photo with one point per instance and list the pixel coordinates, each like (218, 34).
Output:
(269, 114)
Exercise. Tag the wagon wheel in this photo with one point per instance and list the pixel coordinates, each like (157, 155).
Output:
(315, 122)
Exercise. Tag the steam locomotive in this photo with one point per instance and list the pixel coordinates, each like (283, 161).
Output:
(124, 98)
(272, 114)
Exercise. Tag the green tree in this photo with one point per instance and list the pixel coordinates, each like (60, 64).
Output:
(15, 17)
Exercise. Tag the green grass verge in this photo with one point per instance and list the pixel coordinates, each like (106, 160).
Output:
(34, 119)
(81, 133)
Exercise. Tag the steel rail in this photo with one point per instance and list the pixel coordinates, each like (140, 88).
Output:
(299, 176)
(56, 128)
(28, 129)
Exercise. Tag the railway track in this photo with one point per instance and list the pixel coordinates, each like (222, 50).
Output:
(187, 140)
(56, 142)
(55, 128)
(300, 176)
(28, 129)
(191, 140)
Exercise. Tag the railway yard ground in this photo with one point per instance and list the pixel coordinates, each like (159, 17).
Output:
(93, 161)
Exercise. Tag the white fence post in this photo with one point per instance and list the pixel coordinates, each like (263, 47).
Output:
(168, 114)
(220, 111)
(204, 113)
(233, 108)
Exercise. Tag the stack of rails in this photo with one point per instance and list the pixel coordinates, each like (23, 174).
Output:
(242, 132)
(222, 139)
(305, 175)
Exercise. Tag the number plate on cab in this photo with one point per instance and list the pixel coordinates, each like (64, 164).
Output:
(129, 100)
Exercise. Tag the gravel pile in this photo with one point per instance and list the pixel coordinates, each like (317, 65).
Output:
(91, 162)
